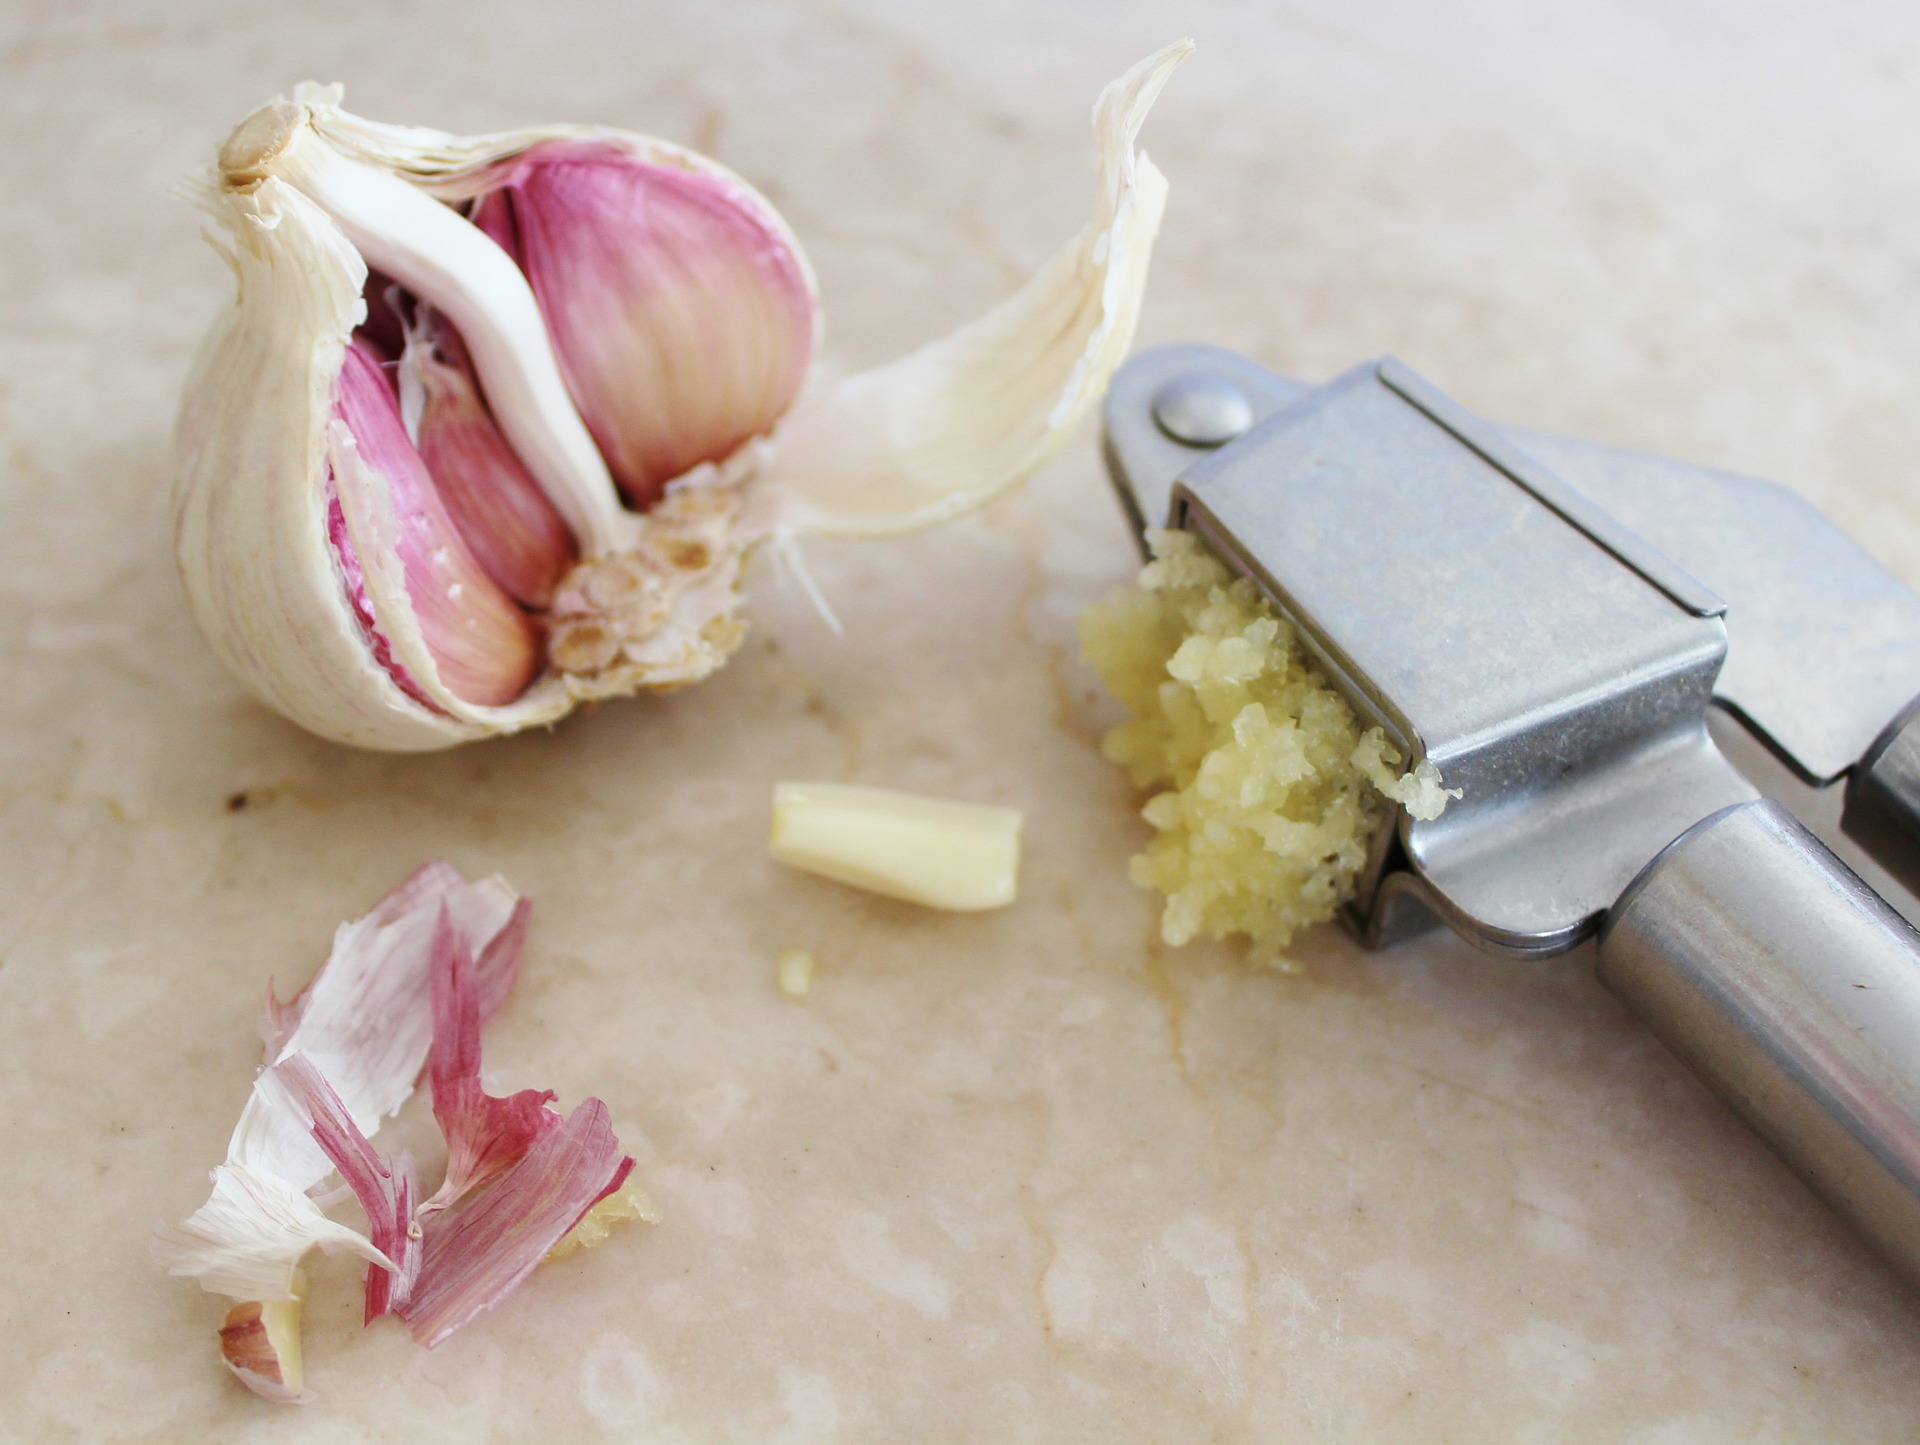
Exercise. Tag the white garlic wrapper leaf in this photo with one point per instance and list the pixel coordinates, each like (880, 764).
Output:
(492, 421)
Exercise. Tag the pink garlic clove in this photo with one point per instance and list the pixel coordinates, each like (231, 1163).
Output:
(680, 309)
(485, 649)
(515, 533)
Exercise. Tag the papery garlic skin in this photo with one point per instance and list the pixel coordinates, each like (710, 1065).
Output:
(246, 1242)
(250, 503)
(403, 987)
(951, 426)
(290, 537)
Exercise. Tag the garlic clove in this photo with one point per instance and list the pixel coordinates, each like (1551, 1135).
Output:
(959, 856)
(953, 425)
(513, 531)
(260, 1342)
(682, 313)
(444, 259)
(483, 648)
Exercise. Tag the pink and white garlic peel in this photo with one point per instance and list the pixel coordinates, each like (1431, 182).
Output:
(404, 988)
(493, 421)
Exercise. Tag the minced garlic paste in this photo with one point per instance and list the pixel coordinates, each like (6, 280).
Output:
(1268, 792)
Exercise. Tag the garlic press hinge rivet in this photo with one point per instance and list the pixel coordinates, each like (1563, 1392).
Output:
(1202, 410)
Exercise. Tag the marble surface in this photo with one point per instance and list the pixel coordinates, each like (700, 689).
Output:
(1022, 1176)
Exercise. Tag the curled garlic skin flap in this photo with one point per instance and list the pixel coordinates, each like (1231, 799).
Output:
(293, 538)
(951, 426)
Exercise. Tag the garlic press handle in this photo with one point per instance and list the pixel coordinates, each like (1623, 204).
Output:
(1793, 990)
(1883, 798)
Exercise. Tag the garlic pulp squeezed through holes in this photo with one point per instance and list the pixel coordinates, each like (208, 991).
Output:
(1267, 791)
(493, 421)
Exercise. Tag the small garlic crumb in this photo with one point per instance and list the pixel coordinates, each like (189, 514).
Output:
(1261, 772)
(962, 856)
(627, 1202)
(796, 968)
(1419, 791)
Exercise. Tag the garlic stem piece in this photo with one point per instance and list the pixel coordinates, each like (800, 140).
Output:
(959, 856)
(438, 254)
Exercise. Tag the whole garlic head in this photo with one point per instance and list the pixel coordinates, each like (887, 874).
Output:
(492, 421)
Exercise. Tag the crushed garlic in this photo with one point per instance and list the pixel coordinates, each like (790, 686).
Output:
(628, 1202)
(1267, 792)
(960, 856)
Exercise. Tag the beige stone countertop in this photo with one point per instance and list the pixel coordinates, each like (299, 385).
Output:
(1022, 1176)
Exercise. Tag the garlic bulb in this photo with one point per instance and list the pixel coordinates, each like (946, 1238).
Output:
(493, 421)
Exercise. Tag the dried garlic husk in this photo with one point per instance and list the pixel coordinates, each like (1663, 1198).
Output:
(592, 344)
(964, 857)
(403, 988)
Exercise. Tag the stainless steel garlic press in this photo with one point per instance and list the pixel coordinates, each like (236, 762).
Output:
(1552, 624)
